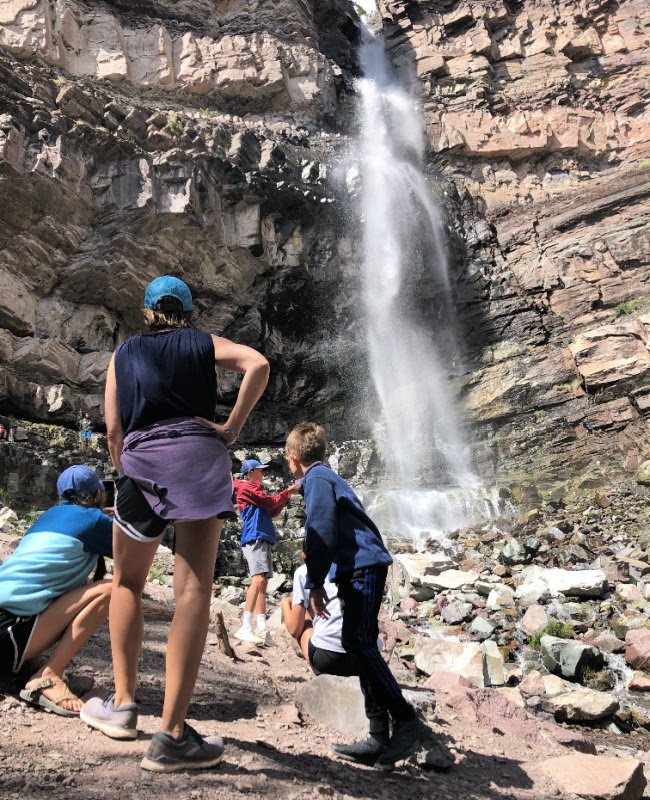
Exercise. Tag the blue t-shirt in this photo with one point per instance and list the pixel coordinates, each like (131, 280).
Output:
(55, 556)
(165, 375)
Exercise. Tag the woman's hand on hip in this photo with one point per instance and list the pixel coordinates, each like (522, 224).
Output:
(225, 433)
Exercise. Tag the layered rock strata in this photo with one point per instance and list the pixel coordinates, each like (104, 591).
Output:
(120, 160)
(537, 120)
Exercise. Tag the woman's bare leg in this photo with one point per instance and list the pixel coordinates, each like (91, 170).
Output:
(126, 623)
(69, 621)
(196, 553)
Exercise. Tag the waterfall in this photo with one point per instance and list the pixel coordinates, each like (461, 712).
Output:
(409, 316)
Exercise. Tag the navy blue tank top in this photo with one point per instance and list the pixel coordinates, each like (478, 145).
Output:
(165, 375)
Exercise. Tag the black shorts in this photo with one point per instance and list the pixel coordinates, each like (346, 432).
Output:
(15, 636)
(328, 662)
(134, 515)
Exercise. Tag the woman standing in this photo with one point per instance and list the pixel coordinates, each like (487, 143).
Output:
(174, 466)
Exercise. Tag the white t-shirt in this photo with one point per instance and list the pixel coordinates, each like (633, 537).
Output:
(327, 632)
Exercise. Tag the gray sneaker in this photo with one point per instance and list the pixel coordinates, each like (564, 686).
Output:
(191, 751)
(117, 722)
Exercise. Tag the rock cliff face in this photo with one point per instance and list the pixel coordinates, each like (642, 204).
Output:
(125, 153)
(197, 137)
(537, 120)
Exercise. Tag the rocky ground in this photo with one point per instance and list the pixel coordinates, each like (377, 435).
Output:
(532, 631)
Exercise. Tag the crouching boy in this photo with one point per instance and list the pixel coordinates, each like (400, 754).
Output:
(337, 529)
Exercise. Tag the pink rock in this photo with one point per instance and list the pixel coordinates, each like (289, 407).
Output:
(532, 685)
(447, 679)
(639, 683)
(597, 777)
(289, 713)
(408, 604)
(637, 649)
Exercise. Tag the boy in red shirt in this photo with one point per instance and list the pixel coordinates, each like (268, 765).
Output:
(257, 539)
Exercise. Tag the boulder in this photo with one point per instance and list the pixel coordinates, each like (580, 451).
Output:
(553, 685)
(597, 777)
(500, 597)
(583, 705)
(637, 649)
(608, 643)
(568, 658)
(456, 612)
(443, 679)
(336, 703)
(643, 474)
(453, 579)
(482, 628)
(628, 593)
(639, 682)
(449, 655)
(409, 570)
(541, 583)
(493, 664)
(532, 685)
(533, 620)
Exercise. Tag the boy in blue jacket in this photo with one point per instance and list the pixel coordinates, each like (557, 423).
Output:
(337, 529)
(257, 508)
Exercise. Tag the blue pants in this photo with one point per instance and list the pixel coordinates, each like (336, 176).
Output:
(361, 595)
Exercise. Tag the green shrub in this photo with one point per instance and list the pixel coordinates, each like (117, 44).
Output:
(175, 126)
(628, 307)
(562, 630)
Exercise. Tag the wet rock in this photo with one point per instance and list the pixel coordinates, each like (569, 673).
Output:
(597, 777)
(568, 658)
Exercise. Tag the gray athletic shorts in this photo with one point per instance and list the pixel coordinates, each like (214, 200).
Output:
(258, 557)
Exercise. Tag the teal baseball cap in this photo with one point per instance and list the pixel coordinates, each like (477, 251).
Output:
(79, 479)
(168, 286)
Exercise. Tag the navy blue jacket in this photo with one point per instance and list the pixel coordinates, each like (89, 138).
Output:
(337, 529)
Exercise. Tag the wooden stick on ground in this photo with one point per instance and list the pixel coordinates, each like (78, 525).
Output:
(222, 636)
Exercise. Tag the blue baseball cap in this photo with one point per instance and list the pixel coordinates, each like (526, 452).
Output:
(83, 481)
(168, 286)
(251, 464)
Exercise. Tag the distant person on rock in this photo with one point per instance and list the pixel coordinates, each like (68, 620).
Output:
(338, 530)
(45, 600)
(173, 465)
(4, 433)
(85, 432)
(257, 539)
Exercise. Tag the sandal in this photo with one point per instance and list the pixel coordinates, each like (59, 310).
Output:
(33, 693)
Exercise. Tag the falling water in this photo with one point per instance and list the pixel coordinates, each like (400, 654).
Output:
(410, 317)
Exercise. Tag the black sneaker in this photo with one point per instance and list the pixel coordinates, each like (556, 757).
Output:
(365, 751)
(403, 742)
(191, 751)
